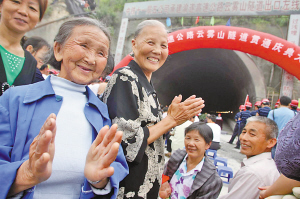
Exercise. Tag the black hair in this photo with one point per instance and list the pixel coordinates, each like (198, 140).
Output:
(43, 66)
(212, 117)
(265, 103)
(293, 107)
(36, 42)
(285, 100)
(203, 130)
(109, 67)
(165, 109)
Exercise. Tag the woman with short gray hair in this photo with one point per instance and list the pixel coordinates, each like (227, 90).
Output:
(133, 104)
(55, 139)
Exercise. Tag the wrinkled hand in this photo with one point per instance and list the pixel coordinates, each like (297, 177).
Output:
(262, 193)
(182, 111)
(102, 153)
(41, 153)
(165, 190)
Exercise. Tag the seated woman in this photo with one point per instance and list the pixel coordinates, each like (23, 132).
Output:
(192, 174)
(52, 144)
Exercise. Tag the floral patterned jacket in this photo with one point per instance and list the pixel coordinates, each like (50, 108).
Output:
(132, 104)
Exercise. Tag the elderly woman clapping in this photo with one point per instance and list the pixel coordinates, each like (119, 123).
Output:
(49, 141)
(133, 104)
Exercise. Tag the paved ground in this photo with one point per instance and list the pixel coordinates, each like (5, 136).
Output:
(228, 151)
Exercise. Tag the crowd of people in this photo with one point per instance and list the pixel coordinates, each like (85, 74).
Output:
(61, 137)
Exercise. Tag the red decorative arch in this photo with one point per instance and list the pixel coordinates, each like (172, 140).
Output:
(269, 47)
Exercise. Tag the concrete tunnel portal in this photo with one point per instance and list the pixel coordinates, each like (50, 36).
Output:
(221, 77)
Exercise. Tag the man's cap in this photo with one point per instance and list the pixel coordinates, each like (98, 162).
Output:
(265, 101)
(258, 103)
(294, 103)
(248, 104)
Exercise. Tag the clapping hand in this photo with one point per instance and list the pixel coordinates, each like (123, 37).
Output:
(102, 153)
(182, 111)
(38, 167)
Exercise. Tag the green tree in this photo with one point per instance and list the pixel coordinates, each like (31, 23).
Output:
(110, 12)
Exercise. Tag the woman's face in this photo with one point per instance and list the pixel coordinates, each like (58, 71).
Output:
(84, 55)
(19, 16)
(40, 56)
(195, 144)
(150, 49)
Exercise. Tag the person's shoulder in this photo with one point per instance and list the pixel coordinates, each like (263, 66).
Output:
(213, 125)
(267, 108)
(178, 155)
(124, 73)
(262, 168)
(285, 110)
(209, 163)
(291, 111)
(119, 70)
(19, 90)
(15, 95)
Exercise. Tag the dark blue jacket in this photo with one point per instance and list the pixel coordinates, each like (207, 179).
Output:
(253, 113)
(245, 115)
(237, 116)
(264, 111)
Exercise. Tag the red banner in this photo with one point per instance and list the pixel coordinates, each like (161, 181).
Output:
(269, 47)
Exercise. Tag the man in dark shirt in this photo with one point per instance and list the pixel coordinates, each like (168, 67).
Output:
(257, 105)
(244, 116)
(236, 129)
(265, 108)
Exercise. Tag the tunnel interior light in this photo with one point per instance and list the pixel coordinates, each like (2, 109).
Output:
(224, 111)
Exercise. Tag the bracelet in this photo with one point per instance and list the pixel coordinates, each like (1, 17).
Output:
(94, 182)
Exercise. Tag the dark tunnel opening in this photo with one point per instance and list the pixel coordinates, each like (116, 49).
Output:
(219, 76)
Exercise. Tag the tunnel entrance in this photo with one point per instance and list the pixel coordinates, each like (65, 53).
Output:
(221, 77)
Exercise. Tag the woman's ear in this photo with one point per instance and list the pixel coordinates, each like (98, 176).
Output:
(29, 48)
(57, 49)
(207, 146)
(133, 42)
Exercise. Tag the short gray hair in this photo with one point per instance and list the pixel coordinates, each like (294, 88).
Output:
(272, 129)
(146, 23)
(66, 30)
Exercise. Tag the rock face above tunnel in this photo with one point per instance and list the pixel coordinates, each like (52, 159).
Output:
(221, 77)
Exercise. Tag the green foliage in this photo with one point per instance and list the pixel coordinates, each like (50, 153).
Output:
(110, 12)
(48, 11)
(202, 117)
